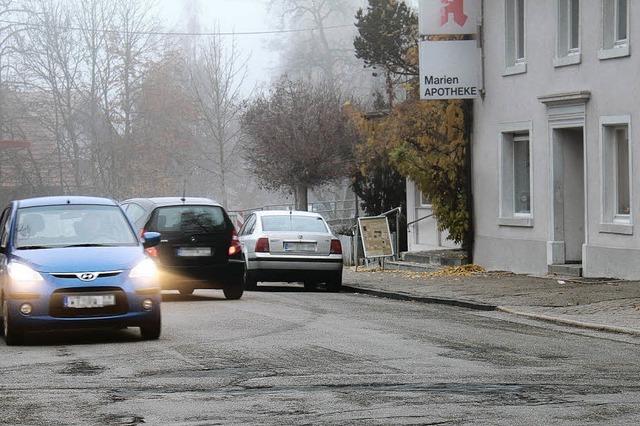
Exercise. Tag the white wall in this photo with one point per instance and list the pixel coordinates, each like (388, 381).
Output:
(615, 90)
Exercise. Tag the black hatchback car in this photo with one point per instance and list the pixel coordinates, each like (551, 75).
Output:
(199, 246)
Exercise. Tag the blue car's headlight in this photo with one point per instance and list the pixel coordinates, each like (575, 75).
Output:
(23, 278)
(146, 270)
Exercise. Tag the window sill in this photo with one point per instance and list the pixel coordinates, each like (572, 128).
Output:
(616, 228)
(614, 52)
(572, 59)
(519, 68)
(516, 222)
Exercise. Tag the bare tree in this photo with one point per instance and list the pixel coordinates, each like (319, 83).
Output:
(318, 49)
(93, 17)
(298, 137)
(134, 46)
(217, 78)
(166, 126)
(324, 54)
(8, 31)
(51, 59)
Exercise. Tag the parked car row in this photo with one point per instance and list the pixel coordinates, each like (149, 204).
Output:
(72, 262)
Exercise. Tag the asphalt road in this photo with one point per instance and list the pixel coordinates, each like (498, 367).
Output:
(283, 356)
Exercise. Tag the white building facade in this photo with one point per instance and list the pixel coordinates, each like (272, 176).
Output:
(555, 150)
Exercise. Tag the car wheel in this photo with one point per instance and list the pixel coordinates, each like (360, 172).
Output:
(151, 330)
(249, 280)
(12, 335)
(309, 286)
(186, 291)
(233, 291)
(334, 284)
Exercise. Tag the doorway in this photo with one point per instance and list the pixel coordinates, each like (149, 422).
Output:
(568, 193)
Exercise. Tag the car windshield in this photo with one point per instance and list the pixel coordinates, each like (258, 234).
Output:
(292, 222)
(72, 226)
(189, 219)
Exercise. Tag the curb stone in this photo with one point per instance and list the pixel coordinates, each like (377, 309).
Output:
(488, 307)
(572, 323)
(468, 304)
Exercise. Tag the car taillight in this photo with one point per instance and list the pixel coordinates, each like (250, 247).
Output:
(262, 245)
(336, 247)
(235, 246)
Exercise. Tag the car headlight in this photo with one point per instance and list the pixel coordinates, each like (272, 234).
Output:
(146, 269)
(23, 278)
(22, 273)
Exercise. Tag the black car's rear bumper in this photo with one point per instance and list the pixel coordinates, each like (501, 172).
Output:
(208, 276)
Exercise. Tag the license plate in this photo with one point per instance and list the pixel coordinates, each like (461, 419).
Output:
(296, 246)
(194, 251)
(89, 301)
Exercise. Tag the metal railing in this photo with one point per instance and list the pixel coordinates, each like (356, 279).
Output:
(330, 210)
(418, 220)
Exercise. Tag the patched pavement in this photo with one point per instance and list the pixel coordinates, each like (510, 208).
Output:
(283, 356)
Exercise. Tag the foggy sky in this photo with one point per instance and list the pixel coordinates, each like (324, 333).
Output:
(233, 16)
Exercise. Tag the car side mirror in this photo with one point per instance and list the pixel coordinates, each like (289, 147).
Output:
(150, 239)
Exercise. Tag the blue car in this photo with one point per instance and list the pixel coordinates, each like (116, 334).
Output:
(75, 262)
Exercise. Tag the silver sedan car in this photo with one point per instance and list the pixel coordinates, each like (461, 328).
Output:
(290, 246)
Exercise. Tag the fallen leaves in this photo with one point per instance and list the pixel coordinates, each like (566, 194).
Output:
(448, 271)
(457, 271)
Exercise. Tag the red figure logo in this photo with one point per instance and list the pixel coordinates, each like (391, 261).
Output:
(455, 8)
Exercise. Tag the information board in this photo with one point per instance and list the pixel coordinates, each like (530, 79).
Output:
(450, 69)
(376, 236)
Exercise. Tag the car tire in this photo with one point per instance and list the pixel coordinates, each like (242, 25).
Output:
(151, 330)
(334, 284)
(233, 291)
(185, 291)
(249, 280)
(12, 335)
(309, 286)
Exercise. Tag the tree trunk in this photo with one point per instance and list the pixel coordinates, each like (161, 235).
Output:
(390, 90)
(302, 203)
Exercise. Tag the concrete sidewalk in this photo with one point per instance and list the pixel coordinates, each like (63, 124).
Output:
(612, 306)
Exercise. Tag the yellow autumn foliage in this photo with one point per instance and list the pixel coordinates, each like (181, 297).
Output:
(427, 142)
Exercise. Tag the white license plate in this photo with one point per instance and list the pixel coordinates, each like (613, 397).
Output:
(296, 246)
(89, 301)
(194, 251)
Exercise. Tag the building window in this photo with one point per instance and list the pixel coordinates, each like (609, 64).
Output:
(521, 175)
(424, 200)
(568, 49)
(515, 37)
(616, 157)
(615, 31)
(515, 177)
(620, 147)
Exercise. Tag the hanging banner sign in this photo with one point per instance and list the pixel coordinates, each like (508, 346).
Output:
(376, 236)
(449, 16)
(450, 69)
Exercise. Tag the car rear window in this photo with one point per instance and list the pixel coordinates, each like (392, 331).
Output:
(189, 219)
(293, 222)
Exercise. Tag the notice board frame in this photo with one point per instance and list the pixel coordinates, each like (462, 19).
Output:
(388, 234)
